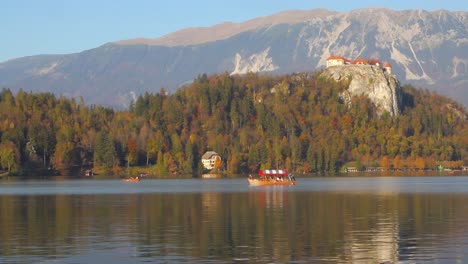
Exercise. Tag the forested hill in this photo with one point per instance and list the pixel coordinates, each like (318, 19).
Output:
(298, 122)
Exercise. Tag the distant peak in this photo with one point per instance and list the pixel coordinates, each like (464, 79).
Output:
(224, 30)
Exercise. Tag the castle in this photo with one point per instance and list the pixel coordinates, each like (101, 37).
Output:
(338, 61)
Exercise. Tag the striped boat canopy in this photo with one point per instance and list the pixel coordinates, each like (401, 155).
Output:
(273, 172)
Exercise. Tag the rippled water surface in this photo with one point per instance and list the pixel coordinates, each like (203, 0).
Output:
(320, 220)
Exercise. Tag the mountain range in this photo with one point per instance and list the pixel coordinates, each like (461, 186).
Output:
(427, 49)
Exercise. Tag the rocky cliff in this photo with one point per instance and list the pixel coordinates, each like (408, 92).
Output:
(382, 88)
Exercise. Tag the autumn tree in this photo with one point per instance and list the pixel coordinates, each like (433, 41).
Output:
(9, 156)
(385, 162)
(132, 152)
(397, 163)
(42, 137)
(420, 163)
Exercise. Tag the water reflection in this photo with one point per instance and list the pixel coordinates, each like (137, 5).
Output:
(263, 225)
(379, 242)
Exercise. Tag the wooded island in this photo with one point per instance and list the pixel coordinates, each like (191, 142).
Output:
(299, 122)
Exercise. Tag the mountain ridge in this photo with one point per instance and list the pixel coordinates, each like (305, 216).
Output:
(426, 49)
(192, 35)
(184, 36)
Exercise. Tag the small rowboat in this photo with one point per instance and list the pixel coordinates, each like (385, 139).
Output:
(131, 179)
(272, 177)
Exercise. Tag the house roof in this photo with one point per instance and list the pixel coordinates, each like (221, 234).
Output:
(359, 60)
(337, 58)
(374, 62)
(209, 154)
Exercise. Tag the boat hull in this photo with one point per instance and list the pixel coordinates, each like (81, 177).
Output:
(131, 180)
(260, 182)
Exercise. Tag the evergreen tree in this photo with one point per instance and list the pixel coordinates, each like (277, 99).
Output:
(104, 152)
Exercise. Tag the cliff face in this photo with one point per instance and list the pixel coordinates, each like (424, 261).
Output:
(382, 88)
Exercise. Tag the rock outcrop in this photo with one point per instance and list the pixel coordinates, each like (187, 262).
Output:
(382, 88)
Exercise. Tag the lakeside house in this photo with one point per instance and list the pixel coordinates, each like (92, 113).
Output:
(374, 169)
(209, 159)
(342, 61)
(351, 169)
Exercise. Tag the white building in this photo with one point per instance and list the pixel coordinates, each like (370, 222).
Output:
(209, 160)
(336, 61)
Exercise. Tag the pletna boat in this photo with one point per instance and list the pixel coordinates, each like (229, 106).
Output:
(272, 177)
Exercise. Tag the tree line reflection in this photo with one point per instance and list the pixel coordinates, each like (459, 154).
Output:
(265, 226)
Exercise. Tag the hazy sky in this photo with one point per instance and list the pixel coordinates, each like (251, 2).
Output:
(33, 27)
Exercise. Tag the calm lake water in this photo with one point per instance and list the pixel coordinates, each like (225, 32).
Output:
(320, 220)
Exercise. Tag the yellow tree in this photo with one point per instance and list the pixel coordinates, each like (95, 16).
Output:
(218, 163)
(397, 163)
(385, 162)
(419, 163)
(9, 155)
(430, 162)
(409, 162)
(132, 152)
(62, 159)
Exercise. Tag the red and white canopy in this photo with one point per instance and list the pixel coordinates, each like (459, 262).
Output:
(273, 173)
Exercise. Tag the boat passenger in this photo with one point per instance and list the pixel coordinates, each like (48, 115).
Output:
(291, 177)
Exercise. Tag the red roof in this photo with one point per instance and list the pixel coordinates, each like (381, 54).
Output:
(359, 61)
(337, 58)
(374, 62)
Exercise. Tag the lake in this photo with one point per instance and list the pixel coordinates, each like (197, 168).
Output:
(320, 220)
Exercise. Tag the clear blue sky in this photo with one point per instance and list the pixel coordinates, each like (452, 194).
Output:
(32, 27)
